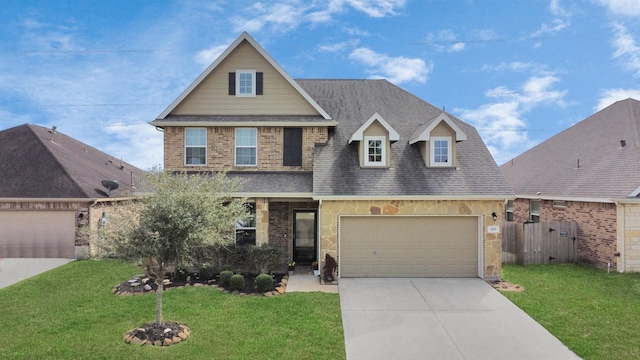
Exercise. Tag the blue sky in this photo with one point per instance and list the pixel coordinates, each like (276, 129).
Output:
(520, 71)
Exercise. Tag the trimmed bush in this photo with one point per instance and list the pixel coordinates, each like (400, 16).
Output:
(264, 282)
(181, 272)
(236, 282)
(225, 277)
(206, 271)
(265, 258)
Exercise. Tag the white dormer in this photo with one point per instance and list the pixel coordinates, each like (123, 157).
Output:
(437, 139)
(375, 137)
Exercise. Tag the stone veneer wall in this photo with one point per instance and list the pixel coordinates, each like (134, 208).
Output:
(629, 237)
(221, 144)
(597, 239)
(492, 250)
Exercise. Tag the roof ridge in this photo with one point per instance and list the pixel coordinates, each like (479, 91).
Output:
(55, 158)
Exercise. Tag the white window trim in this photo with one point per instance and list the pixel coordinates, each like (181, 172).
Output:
(235, 147)
(187, 146)
(253, 83)
(432, 144)
(383, 161)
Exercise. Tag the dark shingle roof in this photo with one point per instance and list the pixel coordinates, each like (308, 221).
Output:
(300, 182)
(351, 103)
(606, 169)
(35, 164)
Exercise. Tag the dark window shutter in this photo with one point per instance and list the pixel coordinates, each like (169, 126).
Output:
(232, 83)
(259, 83)
(292, 147)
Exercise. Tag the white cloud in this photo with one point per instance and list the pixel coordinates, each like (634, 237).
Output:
(395, 69)
(207, 56)
(139, 139)
(376, 8)
(445, 40)
(626, 48)
(608, 97)
(502, 123)
(622, 7)
(339, 46)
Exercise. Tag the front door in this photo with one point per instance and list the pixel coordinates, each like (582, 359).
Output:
(305, 233)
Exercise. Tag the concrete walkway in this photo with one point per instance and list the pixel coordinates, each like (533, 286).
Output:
(13, 270)
(309, 283)
(439, 319)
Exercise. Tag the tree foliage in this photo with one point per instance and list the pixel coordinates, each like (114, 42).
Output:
(180, 213)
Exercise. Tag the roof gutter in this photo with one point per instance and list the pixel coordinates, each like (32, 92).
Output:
(414, 197)
(563, 198)
(163, 123)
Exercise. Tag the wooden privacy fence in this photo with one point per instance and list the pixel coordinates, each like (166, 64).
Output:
(539, 243)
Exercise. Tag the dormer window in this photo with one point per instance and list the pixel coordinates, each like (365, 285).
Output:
(374, 137)
(437, 140)
(375, 150)
(440, 151)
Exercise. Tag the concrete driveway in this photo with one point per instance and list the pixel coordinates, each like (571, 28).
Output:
(439, 319)
(13, 270)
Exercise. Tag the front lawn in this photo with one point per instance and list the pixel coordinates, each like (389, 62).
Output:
(595, 313)
(70, 313)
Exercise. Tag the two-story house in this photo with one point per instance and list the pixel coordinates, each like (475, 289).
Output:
(383, 181)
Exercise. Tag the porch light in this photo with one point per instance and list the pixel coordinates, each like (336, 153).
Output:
(494, 215)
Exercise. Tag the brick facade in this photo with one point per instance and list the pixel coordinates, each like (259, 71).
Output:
(597, 239)
(221, 144)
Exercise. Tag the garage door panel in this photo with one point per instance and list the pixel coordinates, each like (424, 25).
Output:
(37, 234)
(408, 246)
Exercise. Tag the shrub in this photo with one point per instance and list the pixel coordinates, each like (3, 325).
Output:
(206, 271)
(181, 272)
(265, 258)
(225, 277)
(236, 282)
(264, 283)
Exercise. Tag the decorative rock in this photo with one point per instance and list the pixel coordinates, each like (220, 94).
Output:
(167, 342)
(157, 343)
(147, 287)
(166, 282)
(176, 339)
(182, 335)
(280, 290)
(268, 293)
(136, 341)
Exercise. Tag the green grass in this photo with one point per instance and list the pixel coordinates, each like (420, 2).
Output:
(595, 313)
(70, 313)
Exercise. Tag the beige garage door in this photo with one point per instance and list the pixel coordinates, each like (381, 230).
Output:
(37, 234)
(408, 246)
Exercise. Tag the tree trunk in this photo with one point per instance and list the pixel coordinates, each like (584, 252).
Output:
(159, 291)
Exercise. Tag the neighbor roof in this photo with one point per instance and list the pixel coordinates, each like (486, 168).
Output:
(598, 157)
(336, 165)
(36, 163)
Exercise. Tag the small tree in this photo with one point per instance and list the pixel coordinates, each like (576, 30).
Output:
(180, 213)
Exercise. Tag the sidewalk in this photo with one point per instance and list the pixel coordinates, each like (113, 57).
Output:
(309, 283)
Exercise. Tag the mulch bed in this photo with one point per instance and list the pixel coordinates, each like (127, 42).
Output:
(139, 284)
(505, 286)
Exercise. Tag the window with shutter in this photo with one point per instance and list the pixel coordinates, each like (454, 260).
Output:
(292, 147)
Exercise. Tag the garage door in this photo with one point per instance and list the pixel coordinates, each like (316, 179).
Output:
(408, 246)
(37, 234)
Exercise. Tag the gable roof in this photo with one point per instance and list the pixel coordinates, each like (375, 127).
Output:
(243, 37)
(36, 163)
(337, 172)
(359, 134)
(587, 160)
(423, 133)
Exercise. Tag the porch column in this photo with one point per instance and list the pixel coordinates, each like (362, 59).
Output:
(262, 221)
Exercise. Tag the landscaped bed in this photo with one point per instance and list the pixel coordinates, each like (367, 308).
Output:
(71, 313)
(595, 313)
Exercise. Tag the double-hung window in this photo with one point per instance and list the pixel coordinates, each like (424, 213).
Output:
(195, 146)
(246, 228)
(376, 151)
(246, 152)
(534, 211)
(440, 151)
(246, 83)
(509, 210)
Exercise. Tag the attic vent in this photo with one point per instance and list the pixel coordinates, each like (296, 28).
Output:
(623, 143)
(52, 131)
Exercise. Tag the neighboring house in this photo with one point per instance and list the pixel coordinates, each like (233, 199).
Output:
(589, 174)
(362, 170)
(50, 185)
